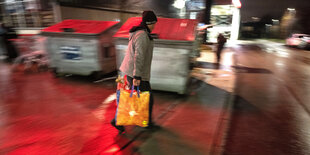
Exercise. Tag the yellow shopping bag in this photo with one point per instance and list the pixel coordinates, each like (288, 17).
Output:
(133, 108)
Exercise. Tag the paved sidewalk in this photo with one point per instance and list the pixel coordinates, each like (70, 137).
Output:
(40, 114)
(197, 125)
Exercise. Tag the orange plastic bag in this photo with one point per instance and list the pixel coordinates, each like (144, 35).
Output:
(133, 108)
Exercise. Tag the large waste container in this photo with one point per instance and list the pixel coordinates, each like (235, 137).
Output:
(173, 50)
(81, 47)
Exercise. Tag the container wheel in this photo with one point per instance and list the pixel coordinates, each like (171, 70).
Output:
(96, 75)
(55, 73)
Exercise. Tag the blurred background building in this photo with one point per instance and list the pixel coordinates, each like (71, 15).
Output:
(27, 13)
(257, 19)
(31, 14)
(274, 19)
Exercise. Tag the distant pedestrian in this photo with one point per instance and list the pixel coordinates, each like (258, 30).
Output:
(2, 47)
(138, 59)
(221, 40)
(7, 33)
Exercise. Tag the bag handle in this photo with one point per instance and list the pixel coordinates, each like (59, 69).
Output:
(132, 88)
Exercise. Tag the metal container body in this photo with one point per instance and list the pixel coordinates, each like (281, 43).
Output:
(170, 66)
(173, 51)
(88, 49)
(81, 56)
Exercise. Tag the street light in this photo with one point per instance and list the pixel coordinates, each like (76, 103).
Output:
(179, 4)
(255, 19)
(275, 21)
(237, 3)
(291, 9)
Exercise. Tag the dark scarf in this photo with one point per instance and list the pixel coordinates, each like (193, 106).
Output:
(142, 26)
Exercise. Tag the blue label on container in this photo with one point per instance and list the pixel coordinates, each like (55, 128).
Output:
(71, 52)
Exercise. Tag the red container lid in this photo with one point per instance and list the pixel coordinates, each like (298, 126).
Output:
(165, 28)
(81, 26)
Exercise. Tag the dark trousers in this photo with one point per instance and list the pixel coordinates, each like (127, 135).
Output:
(219, 52)
(144, 86)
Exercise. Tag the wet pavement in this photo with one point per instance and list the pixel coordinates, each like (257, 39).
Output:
(271, 110)
(40, 114)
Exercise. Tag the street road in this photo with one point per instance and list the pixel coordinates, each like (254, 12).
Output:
(271, 113)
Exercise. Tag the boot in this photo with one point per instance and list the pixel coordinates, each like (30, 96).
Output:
(120, 129)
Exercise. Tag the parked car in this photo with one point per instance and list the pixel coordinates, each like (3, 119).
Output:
(299, 40)
(305, 42)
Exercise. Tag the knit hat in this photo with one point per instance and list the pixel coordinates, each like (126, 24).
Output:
(149, 17)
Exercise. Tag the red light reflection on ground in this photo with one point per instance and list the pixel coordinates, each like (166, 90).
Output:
(112, 149)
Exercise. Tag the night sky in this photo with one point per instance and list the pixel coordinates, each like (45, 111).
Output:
(275, 8)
